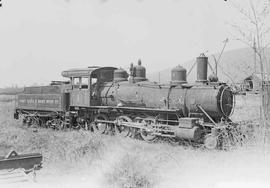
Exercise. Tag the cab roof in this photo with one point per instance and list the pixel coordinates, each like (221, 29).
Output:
(85, 72)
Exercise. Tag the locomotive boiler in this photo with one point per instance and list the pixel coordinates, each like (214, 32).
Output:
(107, 99)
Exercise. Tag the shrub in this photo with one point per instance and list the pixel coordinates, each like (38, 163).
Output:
(132, 171)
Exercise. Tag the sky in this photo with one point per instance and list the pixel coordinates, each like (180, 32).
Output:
(41, 38)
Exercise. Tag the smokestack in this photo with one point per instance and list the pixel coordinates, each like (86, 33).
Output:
(202, 63)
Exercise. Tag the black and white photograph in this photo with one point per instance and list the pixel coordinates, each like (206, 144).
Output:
(135, 93)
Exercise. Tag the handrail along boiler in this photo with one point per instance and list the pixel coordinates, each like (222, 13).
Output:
(107, 99)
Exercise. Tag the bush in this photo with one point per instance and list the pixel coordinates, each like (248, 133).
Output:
(132, 171)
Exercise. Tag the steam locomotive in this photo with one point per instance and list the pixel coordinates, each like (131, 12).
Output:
(109, 100)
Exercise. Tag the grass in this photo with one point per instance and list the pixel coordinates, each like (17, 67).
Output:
(83, 159)
(66, 150)
(132, 171)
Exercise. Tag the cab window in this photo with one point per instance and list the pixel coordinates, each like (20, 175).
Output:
(93, 81)
(76, 82)
(84, 84)
(80, 82)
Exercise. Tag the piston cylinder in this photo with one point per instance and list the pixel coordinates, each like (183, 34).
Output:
(202, 63)
(193, 134)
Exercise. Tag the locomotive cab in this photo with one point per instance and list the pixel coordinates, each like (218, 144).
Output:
(85, 84)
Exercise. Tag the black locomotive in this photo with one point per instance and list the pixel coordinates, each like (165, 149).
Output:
(107, 99)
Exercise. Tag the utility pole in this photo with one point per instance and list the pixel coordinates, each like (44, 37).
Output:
(225, 43)
(219, 57)
(215, 65)
(254, 50)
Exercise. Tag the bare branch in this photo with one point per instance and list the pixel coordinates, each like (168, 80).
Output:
(266, 31)
(266, 46)
(257, 14)
(244, 13)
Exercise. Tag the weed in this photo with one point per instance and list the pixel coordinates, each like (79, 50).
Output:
(132, 171)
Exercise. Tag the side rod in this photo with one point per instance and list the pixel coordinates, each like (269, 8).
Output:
(205, 113)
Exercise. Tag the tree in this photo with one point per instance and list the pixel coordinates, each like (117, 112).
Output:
(254, 31)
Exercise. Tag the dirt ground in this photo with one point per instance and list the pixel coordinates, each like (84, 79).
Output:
(82, 159)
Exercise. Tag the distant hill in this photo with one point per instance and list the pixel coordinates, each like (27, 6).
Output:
(10, 91)
(234, 65)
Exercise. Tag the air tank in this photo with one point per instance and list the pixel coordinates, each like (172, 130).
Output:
(202, 63)
(139, 72)
(120, 75)
(178, 75)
